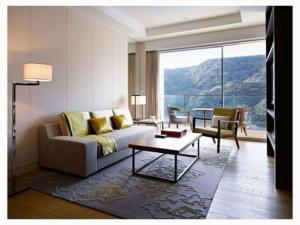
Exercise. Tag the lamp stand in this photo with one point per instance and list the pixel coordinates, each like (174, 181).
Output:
(14, 190)
(135, 107)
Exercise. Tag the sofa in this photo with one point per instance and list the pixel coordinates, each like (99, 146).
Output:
(80, 156)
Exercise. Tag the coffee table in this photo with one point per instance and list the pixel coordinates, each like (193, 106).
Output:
(169, 145)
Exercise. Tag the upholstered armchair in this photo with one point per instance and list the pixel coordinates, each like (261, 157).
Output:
(224, 124)
(179, 116)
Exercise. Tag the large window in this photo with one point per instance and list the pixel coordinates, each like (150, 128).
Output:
(245, 81)
(192, 78)
(229, 76)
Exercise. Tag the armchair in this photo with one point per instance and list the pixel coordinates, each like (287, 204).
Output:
(179, 116)
(224, 125)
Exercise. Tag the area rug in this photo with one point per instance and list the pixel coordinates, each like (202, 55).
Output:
(116, 191)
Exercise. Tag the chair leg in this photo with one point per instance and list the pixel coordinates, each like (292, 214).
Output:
(214, 140)
(237, 142)
(218, 145)
(245, 131)
(176, 125)
(169, 125)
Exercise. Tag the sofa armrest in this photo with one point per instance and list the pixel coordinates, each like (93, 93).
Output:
(70, 154)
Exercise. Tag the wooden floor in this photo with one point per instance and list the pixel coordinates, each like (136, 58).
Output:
(246, 190)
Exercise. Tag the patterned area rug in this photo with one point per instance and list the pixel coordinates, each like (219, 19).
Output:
(115, 191)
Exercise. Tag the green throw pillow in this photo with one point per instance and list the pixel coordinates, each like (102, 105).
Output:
(120, 121)
(100, 125)
(78, 123)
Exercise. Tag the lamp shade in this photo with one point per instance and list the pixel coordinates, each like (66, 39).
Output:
(138, 100)
(37, 72)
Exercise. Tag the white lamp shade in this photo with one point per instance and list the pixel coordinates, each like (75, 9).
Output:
(138, 100)
(37, 72)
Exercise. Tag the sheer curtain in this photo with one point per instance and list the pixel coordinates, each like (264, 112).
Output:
(152, 84)
(131, 80)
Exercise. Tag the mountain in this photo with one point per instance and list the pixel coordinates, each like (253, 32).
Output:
(241, 75)
(244, 84)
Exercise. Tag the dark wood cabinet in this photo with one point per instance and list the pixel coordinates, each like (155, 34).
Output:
(279, 73)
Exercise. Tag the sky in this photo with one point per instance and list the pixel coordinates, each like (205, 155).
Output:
(195, 57)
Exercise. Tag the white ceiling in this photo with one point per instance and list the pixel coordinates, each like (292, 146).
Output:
(154, 16)
(143, 23)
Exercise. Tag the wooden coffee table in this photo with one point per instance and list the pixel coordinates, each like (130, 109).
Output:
(169, 145)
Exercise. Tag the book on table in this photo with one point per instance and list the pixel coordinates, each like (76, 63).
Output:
(171, 132)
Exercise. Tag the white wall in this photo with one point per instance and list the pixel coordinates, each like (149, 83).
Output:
(89, 70)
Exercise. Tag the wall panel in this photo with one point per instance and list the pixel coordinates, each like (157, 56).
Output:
(120, 70)
(18, 54)
(48, 45)
(89, 70)
(79, 62)
(102, 67)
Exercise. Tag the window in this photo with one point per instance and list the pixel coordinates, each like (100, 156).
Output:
(203, 78)
(245, 81)
(191, 78)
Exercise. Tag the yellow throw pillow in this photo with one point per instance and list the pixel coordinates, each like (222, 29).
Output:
(101, 125)
(120, 121)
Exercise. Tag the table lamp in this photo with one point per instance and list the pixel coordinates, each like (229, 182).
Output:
(34, 72)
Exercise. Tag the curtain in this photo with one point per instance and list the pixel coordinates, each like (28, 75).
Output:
(152, 84)
(131, 81)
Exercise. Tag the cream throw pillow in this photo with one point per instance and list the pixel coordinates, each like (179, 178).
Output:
(126, 113)
(224, 125)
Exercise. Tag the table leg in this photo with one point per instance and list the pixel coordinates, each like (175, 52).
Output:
(198, 153)
(175, 172)
(133, 161)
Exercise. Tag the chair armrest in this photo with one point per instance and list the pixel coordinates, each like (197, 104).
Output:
(228, 121)
(71, 154)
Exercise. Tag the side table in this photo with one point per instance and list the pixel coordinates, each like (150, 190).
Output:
(156, 123)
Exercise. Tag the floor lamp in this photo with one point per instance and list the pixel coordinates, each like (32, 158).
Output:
(138, 100)
(32, 72)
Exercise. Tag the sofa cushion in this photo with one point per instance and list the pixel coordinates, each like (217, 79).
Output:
(108, 113)
(121, 122)
(125, 112)
(232, 113)
(125, 136)
(223, 125)
(210, 131)
(100, 125)
(78, 123)
(63, 125)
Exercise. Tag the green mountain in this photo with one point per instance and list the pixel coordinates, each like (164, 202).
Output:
(244, 85)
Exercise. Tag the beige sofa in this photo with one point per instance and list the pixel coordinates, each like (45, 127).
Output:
(80, 156)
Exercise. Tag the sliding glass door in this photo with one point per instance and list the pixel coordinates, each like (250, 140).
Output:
(225, 76)
(191, 78)
(245, 81)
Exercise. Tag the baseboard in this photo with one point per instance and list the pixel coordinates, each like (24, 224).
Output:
(25, 169)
